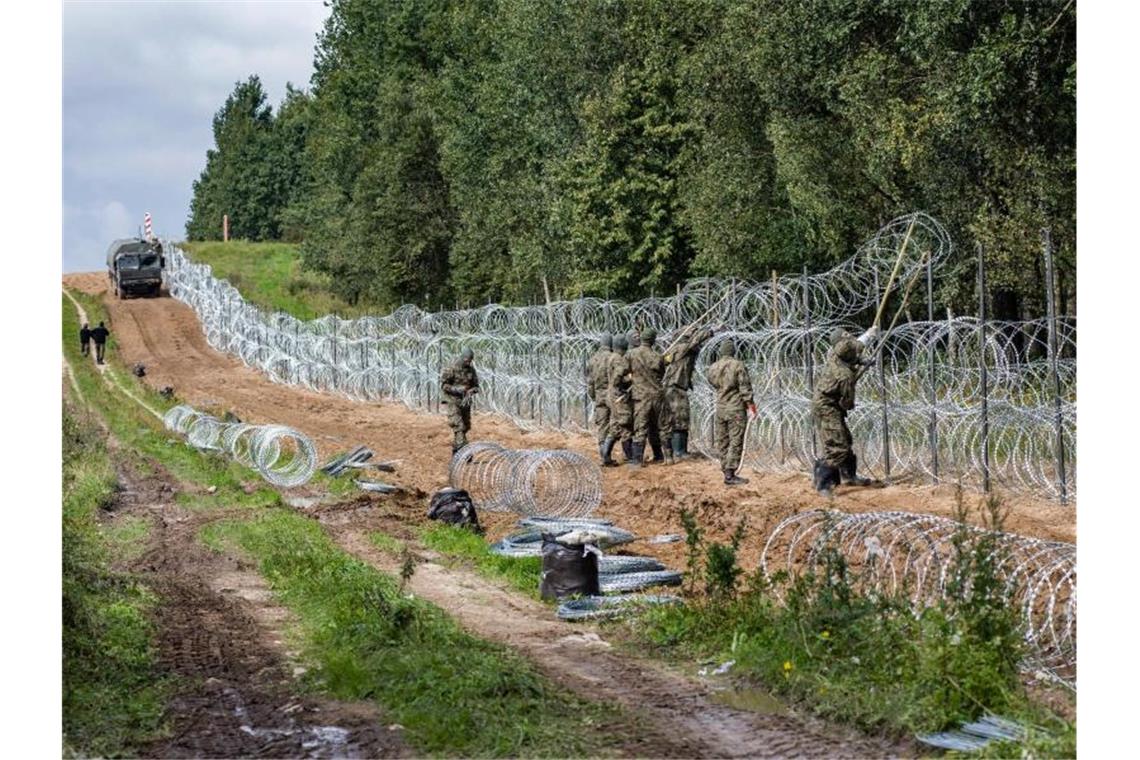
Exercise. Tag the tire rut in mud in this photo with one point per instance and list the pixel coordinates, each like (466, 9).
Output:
(235, 693)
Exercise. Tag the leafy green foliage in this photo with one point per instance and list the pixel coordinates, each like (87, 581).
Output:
(848, 654)
(469, 150)
(453, 693)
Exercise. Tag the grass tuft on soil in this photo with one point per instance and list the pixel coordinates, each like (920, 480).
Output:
(112, 702)
(452, 692)
(521, 573)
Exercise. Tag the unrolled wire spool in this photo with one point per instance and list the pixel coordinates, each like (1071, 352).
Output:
(528, 543)
(551, 524)
(901, 552)
(614, 563)
(552, 483)
(606, 607)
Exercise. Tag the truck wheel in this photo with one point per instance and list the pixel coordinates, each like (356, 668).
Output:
(118, 292)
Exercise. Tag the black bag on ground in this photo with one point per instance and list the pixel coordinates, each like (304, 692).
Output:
(567, 569)
(454, 507)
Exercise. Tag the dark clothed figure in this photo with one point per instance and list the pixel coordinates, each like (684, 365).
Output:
(100, 335)
(85, 339)
(459, 383)
(675, 412)
(729, 377)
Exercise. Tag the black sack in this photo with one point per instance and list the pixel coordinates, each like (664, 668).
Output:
(454, 507)
(567, 570)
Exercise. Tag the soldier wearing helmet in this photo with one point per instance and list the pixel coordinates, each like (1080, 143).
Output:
(597, 387)
(834, 397)
(647, 368)
(459, 383)
(729, 377)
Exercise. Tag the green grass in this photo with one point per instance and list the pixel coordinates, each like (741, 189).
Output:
(854, 657)
(112, 700)
(387, 544)
(270, 276)
(141, 432)
(453, 693)
(521, 573)
(126, 537)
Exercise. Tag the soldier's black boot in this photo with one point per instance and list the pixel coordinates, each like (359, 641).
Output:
(684, 444)
(678, 446)
(732, 479)
(607, 449)
(638, 454)
(847, 472)
(824, 477)
(655, 446)
(627, 450)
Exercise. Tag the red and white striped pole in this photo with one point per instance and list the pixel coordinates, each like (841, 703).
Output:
(146, 226)
(225, 228)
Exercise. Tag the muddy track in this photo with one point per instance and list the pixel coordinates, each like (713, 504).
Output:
(221, 641)
(682, 719)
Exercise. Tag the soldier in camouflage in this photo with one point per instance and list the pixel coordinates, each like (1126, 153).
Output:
(618, 382)
(459, 383)
(679, 363)
(834, 397)
(597, 390)
(729, 378)
(648, 368)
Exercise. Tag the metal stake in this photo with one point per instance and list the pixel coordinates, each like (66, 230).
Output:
(984, 376)
(1047, 243)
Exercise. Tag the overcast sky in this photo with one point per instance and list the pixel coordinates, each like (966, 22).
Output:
(141, 83)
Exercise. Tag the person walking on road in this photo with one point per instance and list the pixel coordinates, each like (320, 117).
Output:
(459, 383)
(834, 397)
(679, 363)
(597, 389)
(100, 335)
(618, 381)
(85, 339)
(734, 405)
(647, 368)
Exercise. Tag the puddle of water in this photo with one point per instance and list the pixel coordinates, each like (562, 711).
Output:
(752, 700)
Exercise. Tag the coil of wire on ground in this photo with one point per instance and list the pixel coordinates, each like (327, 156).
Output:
(547, 482)
(283, 456)
(901, 552)
(920, 417)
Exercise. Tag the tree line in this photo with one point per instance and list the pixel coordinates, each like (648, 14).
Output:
(492, 150)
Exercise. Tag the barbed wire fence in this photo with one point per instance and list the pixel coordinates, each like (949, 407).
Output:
(961, 399)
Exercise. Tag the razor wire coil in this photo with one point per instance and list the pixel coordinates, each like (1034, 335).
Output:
(913, 554)
(920, 417)
(282, 455)
(547, 482)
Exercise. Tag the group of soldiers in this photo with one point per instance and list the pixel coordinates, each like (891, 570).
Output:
(641, 397)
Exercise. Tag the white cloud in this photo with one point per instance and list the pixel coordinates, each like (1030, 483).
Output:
(141, 83)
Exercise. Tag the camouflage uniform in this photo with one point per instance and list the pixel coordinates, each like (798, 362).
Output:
(455, 380)
(618, 380)
(729, 378)
(647, 367)
(597, 389)
(679, 363)
(834, 397)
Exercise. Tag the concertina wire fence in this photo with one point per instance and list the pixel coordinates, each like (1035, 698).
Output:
(947, 398)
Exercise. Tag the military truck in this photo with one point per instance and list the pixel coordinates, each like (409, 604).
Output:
(135, 267)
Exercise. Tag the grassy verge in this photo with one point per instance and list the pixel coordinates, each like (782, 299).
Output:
(453, 693)
(112, 702)
(142, 435)
(270, 275)
(520, 573)
(822, 642)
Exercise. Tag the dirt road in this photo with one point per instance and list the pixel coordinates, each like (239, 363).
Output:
(165, 335)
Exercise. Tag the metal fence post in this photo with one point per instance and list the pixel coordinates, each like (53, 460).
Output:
(883, 399)
(559, 382)
(438, 371)
(982, 365)
(808, 357)
(334, 321)
(1058, 421)
(933, 371)
(585, 398)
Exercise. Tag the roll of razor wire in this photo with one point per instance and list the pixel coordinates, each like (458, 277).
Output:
(531, 361)
(283, 456)
(547, 482)
(607, 607)
(913, 554)
(620, 582)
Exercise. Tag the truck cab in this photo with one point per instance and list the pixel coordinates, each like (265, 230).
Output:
(135, 267)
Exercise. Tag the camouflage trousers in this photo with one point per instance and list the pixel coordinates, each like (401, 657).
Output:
(621, 417)
(602, 420)
(834, 435)
(459, 419)
(675, 411)
(647, 418)
(728, 436)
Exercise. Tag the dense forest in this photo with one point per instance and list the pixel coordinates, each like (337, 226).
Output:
(473, 150)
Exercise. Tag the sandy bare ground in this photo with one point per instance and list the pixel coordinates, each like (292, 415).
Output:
(165, 335)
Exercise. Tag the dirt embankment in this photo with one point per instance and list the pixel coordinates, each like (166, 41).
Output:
(165, 335)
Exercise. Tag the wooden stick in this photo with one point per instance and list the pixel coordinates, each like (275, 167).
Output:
(694, 323)
(894, 273)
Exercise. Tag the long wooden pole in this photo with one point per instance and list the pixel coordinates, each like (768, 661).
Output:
(894, 272)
